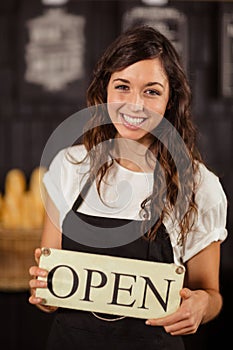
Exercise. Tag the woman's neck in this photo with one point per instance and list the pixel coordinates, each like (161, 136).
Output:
(133, 155)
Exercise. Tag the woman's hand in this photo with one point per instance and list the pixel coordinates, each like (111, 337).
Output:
(202, 301)
(189, 315)
(34, 283)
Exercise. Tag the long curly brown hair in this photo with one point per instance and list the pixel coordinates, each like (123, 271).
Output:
(136, 44)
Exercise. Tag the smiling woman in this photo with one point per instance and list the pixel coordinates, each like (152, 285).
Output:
(137, 99)
(145, 180)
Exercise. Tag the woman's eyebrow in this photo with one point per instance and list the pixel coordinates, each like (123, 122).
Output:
(154, 83)
(122, 80)
(151, 83)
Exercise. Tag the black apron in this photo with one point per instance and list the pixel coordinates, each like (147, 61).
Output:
(74, 329)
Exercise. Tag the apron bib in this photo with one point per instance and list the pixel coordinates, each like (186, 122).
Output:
(74, 329)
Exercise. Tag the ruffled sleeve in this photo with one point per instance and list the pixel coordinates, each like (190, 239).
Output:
(210, 225)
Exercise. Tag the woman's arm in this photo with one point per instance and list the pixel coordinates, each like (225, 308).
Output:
(201, 300)
(51, 238)
(203, 273)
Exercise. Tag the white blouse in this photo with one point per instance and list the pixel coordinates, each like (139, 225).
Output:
(123, 192)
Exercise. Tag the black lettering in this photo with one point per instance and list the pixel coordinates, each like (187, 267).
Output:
(50, 281)
(156, 293)
(117, 288)
(89, 285)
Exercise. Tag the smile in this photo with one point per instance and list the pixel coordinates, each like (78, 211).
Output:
(134, 121)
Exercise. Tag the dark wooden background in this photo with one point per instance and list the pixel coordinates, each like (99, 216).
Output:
(29, 114)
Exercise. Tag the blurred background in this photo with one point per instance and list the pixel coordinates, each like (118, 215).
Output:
(48, 49)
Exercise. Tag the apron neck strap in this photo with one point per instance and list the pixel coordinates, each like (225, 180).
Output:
(82, 195)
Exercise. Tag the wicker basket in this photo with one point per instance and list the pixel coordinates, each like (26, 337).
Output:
(16, 256)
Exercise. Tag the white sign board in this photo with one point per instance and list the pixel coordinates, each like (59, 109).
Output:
(110, 285)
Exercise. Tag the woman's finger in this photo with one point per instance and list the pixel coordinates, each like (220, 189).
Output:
(37, 271)
(34, 283)
(34, 300)
(37, 255)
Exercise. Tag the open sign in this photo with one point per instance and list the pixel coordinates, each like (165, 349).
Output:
(110, 285)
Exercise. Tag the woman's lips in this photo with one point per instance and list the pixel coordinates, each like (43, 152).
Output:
(132, 122)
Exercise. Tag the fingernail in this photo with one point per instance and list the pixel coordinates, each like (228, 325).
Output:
(148, 323)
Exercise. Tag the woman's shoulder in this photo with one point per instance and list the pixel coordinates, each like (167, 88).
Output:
(76, 153)
(69, 155)
(208, 187)
(68, 163)
(204, 174)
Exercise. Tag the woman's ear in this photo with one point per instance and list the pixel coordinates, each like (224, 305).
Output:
(169, 104)
(170, 101)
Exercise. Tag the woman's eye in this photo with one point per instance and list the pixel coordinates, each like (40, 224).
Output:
(122, 87)
(152, 92)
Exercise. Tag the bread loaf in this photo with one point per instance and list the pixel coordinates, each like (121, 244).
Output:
(22, 207)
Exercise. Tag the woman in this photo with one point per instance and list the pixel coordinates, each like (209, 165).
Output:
(179, 206)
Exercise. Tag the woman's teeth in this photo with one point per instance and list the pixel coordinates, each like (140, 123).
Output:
(133, 120)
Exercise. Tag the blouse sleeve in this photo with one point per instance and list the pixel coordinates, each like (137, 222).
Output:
(211, 220)
(65, 178)
(53, 181)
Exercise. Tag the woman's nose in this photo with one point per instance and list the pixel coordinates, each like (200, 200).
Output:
(136, 103)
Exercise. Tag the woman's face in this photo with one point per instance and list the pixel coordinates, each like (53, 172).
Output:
(137, 98)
